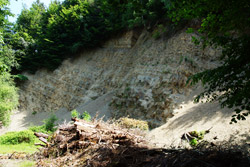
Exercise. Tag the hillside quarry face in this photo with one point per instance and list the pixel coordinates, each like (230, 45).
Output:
(132, 75)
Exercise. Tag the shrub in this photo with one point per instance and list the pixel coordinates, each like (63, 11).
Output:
(8, 101)
(74, 114)
(50, 123)
(48, 126)
(39, 129)
(26, 136)
(195, 137)
(193, 142)
(86, 116)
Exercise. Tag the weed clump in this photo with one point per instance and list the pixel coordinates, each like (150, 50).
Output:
(85, 115)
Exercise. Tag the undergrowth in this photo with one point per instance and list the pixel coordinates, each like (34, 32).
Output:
(12, 138)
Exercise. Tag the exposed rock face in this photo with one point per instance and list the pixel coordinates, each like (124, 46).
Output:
(147, 77)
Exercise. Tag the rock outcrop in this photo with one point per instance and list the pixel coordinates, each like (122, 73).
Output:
(145, 78)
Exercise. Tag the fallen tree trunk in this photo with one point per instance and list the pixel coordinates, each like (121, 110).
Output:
(43, 140)
(41, 135)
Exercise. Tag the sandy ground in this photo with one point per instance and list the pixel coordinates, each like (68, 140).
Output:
(10, 162)
(200, 117)
(23, 120)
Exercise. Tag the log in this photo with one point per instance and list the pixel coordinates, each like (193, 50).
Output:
(68, 128)
(43, 140)
(84, 125)
(39, 144)
(41, 135)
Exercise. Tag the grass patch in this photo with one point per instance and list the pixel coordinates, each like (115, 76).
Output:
(23, 147)
(131, 123)
(12, 138)
(22, 141)
(27, 164)
(41, 129)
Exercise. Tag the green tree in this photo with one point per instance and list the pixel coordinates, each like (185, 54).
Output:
(225, 24)
(47, 36)
(8, 92)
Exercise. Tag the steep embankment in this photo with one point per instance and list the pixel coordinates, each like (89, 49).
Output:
(139, 76)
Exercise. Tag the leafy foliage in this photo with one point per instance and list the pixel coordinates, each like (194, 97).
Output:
(25, 136)
(193, 142)
(45, 37)
(8, 100)
(224, 23)
(41, 129)
(8, 92)
(48, 127)
(49, 123)
(86, 116)
(74, 114)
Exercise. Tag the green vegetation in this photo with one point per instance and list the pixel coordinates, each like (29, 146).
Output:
(44, 37)
(224, 24)
(8, 99)
(194, 137)
(49, 123)
(27, 164)
(12, 138)
(160, 29)
(23, 141)
(48, 127)
(193, 142)
(8, 92)
(86, 116)
(74, 114)
(41, 129)
(23, 147)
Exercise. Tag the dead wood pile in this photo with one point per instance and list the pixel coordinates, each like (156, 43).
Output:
(89, 144)
(99, 144)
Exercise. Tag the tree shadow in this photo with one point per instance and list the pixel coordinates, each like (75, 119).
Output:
(201, 114)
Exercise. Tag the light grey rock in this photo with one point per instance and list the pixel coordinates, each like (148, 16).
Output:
(148, 78)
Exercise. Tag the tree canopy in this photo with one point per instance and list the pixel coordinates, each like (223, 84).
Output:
(225, 24)
(8, 92)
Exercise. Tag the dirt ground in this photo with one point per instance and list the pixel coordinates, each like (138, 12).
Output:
(10, 162)
(200, 117)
